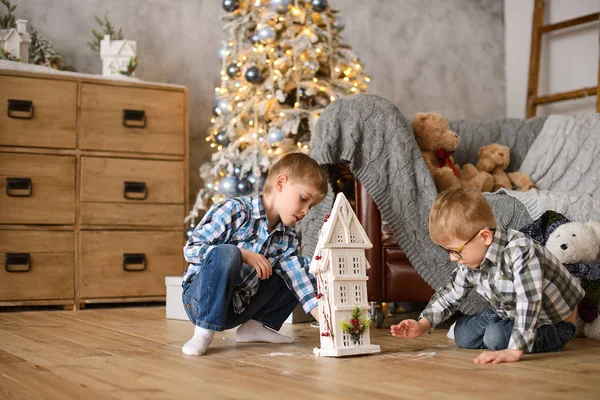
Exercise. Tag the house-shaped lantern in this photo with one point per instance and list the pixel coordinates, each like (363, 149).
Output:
(16, 41)
(116, 54)
(340, 267)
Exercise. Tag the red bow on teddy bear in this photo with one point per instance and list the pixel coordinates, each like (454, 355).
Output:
(443, 158)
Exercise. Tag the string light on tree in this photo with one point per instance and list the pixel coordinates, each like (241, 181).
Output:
(282, 62)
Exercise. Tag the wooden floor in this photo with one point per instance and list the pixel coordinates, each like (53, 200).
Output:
(135, 353)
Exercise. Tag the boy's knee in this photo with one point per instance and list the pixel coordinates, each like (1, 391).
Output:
(466, 340)
(496, 337)
(227, 255)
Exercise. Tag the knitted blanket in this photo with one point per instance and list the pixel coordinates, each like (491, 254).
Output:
(375, 138)
(564, 163)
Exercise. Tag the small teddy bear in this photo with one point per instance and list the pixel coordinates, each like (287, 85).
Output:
(437, 143)
(575, 243)
(495, 158)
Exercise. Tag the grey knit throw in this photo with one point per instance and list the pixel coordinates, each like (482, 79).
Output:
(375, 138)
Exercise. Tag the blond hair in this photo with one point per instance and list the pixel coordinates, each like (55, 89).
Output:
(299, 168)
(459, 214)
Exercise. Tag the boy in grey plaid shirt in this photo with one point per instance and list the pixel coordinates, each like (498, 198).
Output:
(533, 297)
(245, 267)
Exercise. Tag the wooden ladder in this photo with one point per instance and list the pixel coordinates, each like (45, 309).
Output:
(537, 30)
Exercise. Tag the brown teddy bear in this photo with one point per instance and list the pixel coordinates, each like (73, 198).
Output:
(495, 158)
(437, 143)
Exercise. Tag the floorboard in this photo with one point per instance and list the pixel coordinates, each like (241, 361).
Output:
(135, 353)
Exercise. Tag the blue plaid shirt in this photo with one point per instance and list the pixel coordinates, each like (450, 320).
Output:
(242, 221)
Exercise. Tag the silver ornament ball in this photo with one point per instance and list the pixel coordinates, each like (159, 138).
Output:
(228, 186)
(223, 52)
(222, 138)
(280, 6)
(339, 23)
(266, 34)
(275, 136)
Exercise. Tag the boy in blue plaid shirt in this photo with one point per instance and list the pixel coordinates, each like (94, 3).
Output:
(533, 297)
(245, 267)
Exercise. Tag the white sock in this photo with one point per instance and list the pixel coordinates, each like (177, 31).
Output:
(450, 334)
(254, 331)
(198, 344)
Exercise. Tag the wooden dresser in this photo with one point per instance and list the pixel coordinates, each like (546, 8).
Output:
(93, 188)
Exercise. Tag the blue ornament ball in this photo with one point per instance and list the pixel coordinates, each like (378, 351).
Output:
(222, 138)
(230, 5)
(253, 75)
(275, 136)
(318, 5)
(233, 70)
(266, 34)
(228, 186)
(244, 187)
(280, 6)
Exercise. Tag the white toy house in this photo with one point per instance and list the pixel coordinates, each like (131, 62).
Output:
(116, 54)
(16, 40)
(340, 267)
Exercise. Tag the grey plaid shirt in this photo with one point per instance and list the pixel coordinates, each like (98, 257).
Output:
(521, 279)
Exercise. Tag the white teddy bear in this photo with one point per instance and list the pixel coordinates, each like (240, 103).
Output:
(574, 243)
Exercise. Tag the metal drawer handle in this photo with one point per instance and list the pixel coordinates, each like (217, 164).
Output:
(16, 186)
(17, 107)
(17, 262)
(134, 118)
(134, 259)
(135, 187)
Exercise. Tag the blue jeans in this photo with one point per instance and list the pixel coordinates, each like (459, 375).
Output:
(208, 296)
(488, 331)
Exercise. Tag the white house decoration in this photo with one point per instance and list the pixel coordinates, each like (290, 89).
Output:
(116, 54)
(340, 267)
(16, 40)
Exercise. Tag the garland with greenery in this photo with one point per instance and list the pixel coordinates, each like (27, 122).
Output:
(356, 326)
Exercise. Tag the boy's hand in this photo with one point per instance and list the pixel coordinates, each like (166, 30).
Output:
(259, 262)
(409, 328)
(497, 357)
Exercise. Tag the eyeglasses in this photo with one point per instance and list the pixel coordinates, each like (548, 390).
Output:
(456, 253)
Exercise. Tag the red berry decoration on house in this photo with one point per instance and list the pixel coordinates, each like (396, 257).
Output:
(325, 334)
(317, 258)
(319, 295)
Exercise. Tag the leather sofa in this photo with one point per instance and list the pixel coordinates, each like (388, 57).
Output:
(391, 277)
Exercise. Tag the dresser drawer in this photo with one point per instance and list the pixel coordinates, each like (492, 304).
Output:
(128, 263)
(132, 181)
(132, 119)
(38, 265)
(37, 112)
(37, 189)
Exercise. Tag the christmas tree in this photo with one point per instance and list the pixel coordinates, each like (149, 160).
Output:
(283, 63)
